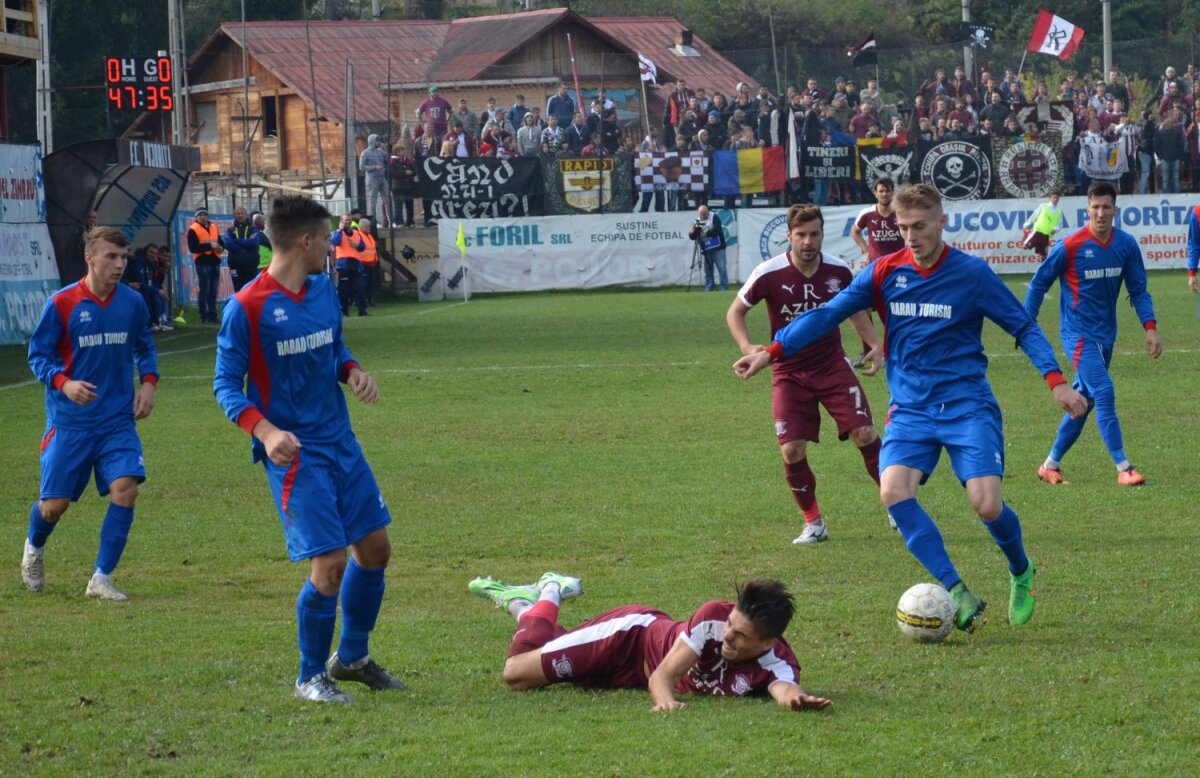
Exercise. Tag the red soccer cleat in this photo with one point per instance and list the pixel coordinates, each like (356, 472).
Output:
(1052, 476)
(1130, 477)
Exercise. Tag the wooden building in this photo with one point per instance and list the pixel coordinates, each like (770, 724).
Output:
(282, 81)
(19, 42)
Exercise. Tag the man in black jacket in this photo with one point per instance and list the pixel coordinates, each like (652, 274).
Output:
(710, 241)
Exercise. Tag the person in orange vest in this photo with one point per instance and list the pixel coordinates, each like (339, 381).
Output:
(370, 260)
(348, 244)
(204, 241)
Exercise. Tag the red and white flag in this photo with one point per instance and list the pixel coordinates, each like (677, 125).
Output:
(1054, 35)
(648, 69)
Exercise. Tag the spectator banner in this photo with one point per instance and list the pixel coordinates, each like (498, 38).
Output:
(666, 170)
(588, 184)
(478, 187)
(1051, 117)
(565, 252)
(22, 188)
(1028, 167)
(1103, 160)
(959, 169)
(187, 285)
(829, 162)
(894, 163)
(990, 229)
(28, 276)
(748, 171)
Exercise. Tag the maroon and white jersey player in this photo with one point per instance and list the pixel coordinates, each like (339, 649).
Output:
(732, 649)
(791, 284)
(883, 234)
(787, 293)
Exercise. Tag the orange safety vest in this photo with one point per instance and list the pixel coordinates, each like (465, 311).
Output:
(204, 236)
(345, 248)
(369, 256)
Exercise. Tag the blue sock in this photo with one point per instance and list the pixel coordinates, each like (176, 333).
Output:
(1068, 432)
(1006, 531)
(1109, 424)
(315, 614)
(39, 528)
(114, 532)
(362, 594)
(924, 540)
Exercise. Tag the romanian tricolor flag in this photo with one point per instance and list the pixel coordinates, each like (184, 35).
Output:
(747, 171)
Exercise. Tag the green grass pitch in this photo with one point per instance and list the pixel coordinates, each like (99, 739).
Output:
(603, 434)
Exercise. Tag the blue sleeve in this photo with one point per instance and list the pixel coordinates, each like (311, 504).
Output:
(145, 355)
(1047, 273)
(344, 357)
(233, 361)
(1193, 242)
(1000, 305)
(248, 243)
(335, 238)
(1135, 283)
(810, 325)
(44, 358)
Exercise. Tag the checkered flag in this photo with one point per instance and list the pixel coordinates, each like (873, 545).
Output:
(659, 171)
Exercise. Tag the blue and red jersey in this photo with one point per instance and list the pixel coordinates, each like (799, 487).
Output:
(933, 324)
(1092, 273)
(287, 351)
(1193, 241)
(83, 338)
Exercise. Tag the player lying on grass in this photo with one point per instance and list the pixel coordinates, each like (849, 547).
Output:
(724, 648)
(932, 299)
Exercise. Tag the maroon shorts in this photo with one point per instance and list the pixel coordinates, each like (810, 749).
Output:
(605, 652)
(795, 395)
(1038, 243)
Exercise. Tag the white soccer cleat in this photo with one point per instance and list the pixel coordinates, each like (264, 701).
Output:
(319, 689)
(100, 587)
(568, 586)
(33, 567)
(814, 532)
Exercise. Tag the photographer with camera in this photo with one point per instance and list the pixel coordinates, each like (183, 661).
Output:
(709, 237)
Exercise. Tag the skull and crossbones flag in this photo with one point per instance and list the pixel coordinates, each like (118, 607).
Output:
(959, 170)
(1054, 35)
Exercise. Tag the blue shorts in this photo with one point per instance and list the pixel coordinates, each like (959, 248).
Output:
(1090, 360)
(69, 457)
(327, 499)
(969, 429)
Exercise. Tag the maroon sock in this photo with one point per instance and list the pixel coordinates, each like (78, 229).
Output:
(804, 488)
(536, 627)
(870, 455)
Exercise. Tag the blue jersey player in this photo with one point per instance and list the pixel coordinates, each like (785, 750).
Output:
(933, 299)
(1193, 249)
(1092, 264)
(90, 336)
(281, 338)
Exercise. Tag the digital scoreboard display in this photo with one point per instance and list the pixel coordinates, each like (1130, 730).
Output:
(139, 83)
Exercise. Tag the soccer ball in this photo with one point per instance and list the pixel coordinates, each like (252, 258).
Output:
(926, 613)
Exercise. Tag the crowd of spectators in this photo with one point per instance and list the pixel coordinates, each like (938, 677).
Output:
(1159, 132)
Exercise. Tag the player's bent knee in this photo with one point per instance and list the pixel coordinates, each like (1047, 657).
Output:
(793, 451)
(53, 508)
(864, 436)
(124, 491)
(988, 508)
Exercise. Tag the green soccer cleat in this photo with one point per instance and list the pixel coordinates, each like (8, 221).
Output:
(971, 608)
(500, 593)
(568, 585)
(1021, 600)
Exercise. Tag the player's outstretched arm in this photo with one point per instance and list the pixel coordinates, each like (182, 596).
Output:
(668, 674)
(792, 696)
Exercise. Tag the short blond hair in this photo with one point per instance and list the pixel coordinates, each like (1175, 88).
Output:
(924, 197)
(106, 234)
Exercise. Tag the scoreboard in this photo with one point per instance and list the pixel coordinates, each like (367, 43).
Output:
(139, 83)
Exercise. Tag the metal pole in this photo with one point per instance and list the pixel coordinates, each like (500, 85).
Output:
(1107, 7)
(968, 58)
(182, 69)
(245, 102)
(45, 118)
(173, 46)
(312, 83)
(774, 51)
